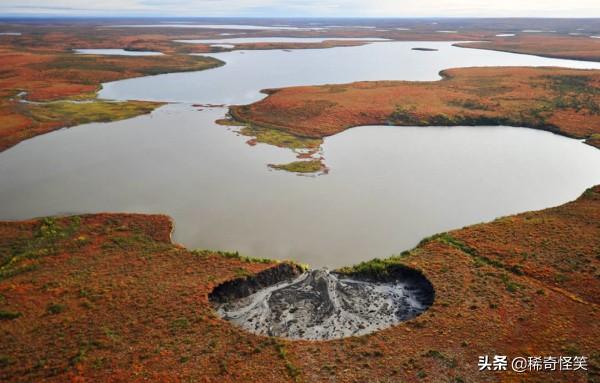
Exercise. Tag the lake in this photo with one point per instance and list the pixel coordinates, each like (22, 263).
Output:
(388, 187)
(247, 72)
(251, 40)
(116, 52)
(218, 26)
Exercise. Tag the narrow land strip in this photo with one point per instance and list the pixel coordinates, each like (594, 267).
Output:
(564, 101)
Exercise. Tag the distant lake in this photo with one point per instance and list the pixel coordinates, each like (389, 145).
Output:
(116, 52)
(216, 26)
(388, 186)
(248, 72)
(249, 40)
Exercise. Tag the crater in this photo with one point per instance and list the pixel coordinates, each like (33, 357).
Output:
(286, 301)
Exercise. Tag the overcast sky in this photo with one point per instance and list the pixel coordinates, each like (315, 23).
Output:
(299, 8)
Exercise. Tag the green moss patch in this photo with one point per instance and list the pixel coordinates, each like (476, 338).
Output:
(76, 113)
(313, 166)
(280, 138)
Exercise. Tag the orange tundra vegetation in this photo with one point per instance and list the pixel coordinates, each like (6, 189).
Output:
(547, 45)
(41, 63)
(40, 67)
(108, 297)
(37, 88)
(565, 101)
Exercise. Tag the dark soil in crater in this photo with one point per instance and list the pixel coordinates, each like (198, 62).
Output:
(319, 304)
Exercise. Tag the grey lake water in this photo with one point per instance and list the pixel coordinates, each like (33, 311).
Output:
(248, 40)
(116, 52)
(247, 72)
(388, 187)
(218, 26)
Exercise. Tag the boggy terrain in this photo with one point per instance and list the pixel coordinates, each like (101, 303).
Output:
(42, 80)
(39, 64)
(563, 101)
(41, 91)
(108, 297)
(45, 86)
(547, 45)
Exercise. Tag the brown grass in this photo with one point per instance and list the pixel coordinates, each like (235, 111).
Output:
(547, 45)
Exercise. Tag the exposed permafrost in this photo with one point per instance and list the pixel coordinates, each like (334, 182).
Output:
(323, 305)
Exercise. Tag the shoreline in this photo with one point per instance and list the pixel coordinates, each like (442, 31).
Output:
(368, 269)
(431, 107)
(83, 274)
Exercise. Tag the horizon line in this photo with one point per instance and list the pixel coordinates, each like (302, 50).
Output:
(73, 16)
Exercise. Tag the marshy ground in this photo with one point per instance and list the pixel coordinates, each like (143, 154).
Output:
(563, 101)
(39, 59)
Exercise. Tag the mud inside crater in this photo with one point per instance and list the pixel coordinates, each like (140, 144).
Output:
(318, 304)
